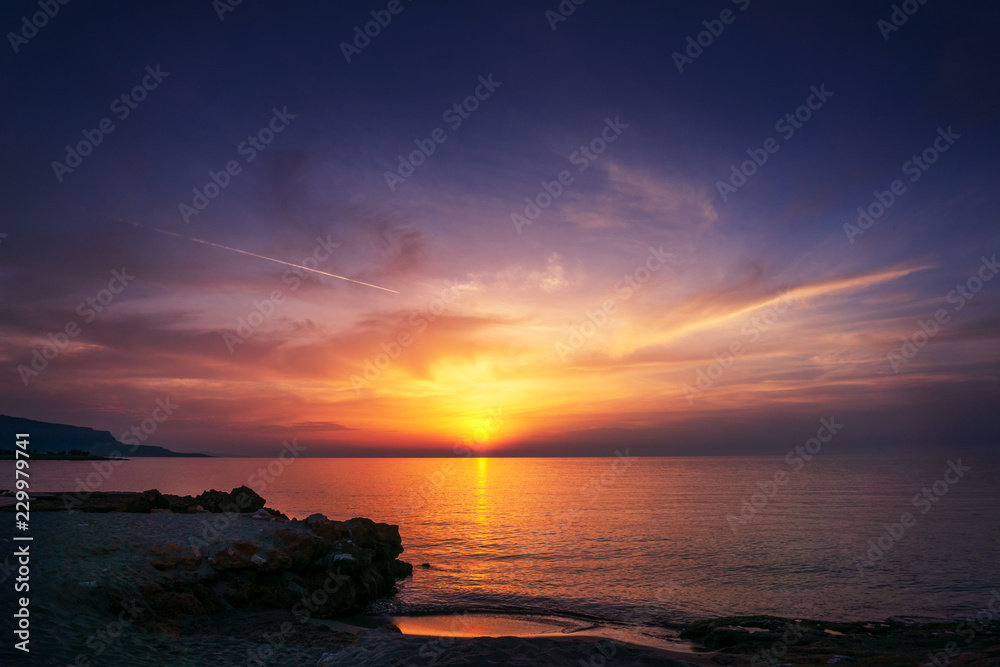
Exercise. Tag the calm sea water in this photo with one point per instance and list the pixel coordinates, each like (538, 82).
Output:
(644, 540)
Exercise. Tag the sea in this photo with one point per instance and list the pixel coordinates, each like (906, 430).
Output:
(644, 541)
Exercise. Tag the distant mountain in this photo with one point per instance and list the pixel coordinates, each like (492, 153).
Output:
(50, 438)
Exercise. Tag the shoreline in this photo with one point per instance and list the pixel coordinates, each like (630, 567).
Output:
(118, 570)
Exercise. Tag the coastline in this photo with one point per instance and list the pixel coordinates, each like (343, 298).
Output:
(107, 555)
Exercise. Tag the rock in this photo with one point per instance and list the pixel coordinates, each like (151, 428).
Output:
(138, 504)
(275, 514)
(274, 594)
(399, 569)
(315, 519)
(236, 557)
(830, 642)
(179, 504)
(301, 547)
(173, 600)
(351, 562)
(163, 548)
(246, 548)
(173, 556)
(240, 499)
(425, 565)
(193, 560)
(156, 499)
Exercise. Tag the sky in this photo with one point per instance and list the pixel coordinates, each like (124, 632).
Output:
(676, 228)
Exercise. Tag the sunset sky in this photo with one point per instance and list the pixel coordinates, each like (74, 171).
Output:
(525, 337)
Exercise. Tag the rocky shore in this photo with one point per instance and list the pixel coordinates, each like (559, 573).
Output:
(772, 640)
(220, 579)
(140, 567)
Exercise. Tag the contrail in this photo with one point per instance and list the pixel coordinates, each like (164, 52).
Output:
(244, 252)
